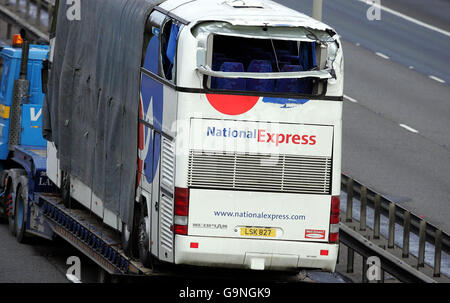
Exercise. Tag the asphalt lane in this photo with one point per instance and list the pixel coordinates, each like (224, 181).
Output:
(411, 168)
(401, 40)
(28, 263)
(39, 261)
(399, 94)
(434, 12)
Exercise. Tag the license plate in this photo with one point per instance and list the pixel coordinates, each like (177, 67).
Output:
(258, 232)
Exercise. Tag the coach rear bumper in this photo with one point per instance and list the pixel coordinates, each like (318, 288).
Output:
(254, 253)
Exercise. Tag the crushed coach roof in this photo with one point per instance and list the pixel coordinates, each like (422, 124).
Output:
(240, 12)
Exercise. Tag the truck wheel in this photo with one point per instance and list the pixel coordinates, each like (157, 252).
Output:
(3, 197)
(12, 182)
(65, 190)
(126, 239)
(143, 229)
(11, 224)
(67, 200)
(21, 204)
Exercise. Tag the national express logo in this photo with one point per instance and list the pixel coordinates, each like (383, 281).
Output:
(262, 136)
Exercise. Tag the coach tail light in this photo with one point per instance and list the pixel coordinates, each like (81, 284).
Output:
(181, 211)
(334, 219)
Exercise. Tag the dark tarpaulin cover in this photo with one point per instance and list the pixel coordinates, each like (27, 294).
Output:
(91, 109)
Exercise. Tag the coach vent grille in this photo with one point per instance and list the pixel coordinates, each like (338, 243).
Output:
(166, 199)
(260, 172)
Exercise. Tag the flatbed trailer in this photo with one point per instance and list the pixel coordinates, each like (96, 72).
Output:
(46, 216)
(31, 203)
(86, 233)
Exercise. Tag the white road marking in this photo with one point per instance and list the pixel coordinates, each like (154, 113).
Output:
(413, 20)
(350, 99)
(436, 79)
(382, 55)
(409, 128)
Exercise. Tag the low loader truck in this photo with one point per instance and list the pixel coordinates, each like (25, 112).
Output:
(29, 202)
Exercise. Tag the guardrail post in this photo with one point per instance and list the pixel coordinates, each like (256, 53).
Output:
(349, 212)
(27, 9)
(350, 260)
(376, 223)
(363, 211)
(391, 237)
(422, 234)
(317, 9)
(437, 253)
(365, 267)
(8, 31)
(38, 12)
(50, 17)
(406, 227)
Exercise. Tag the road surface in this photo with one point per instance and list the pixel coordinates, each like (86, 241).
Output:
(396, 132)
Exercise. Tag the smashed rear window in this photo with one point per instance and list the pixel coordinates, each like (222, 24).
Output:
(236, 54)
(265, 64)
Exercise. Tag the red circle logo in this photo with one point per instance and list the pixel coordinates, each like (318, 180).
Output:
(232, 104)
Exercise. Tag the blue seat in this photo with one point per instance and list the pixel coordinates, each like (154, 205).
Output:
(231, 84)
(295, 60)
(289, 85)
(217, 62)
(282, 52)
(263, 55)
(260, 85)
(282, 63)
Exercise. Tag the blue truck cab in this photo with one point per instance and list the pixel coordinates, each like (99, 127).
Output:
(31, 108)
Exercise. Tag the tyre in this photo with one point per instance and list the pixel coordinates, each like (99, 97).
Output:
(143, 238)
(65, 190)
(67, 200)
(11, 185)
(21, 204)
(11, 224)
(3, 197)
(126, 239)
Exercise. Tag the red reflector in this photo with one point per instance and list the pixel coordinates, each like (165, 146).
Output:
(334, 237)
(324, 252)
(181, 229)
(194, 245)
(181, 201)
(334, 219)
(335, 204)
